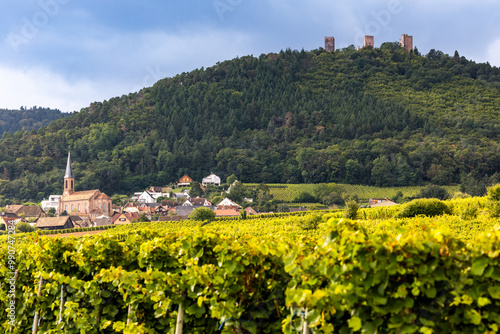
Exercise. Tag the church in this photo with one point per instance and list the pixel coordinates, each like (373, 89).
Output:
(89, 203)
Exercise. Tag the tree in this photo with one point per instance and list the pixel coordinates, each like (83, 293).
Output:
(351, 210)
(143, 218)
(51, 212)
(64, 213)
(202, 214)
(433, 191)
(231, 179)
(196, 190)
(237, 192)
(24, 227)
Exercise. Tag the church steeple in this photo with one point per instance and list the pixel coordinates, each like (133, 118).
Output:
(69, 179)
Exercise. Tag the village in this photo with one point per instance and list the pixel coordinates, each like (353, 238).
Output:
(92, 208)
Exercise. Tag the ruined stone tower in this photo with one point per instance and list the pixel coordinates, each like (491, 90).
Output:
(329, 44)
(368, 41)
(407, 42)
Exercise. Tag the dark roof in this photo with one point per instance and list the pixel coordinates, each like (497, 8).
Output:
(69, 170)
(187, 210)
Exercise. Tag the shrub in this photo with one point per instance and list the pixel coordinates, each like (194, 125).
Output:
(494, 193)
(24, 227)
(309, 222)
(351, 210)
(202, 214)
(305, 197)
(425, 207)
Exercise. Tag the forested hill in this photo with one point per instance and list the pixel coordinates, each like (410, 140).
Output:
(27, 119)
(375, 116)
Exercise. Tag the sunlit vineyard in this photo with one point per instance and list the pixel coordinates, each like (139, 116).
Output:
(274, 274)
(287, 192)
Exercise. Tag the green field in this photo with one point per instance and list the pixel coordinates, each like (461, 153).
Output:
(287, 192)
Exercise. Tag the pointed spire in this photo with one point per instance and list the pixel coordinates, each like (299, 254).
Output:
(69, 170)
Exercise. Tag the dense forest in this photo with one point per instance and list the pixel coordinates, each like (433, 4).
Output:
(26, 119)
(379, 116)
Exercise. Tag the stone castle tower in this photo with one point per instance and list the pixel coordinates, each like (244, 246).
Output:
(329, 44)
(407, 42)
(368, 41)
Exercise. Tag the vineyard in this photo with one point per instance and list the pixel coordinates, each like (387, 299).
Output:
(281, 273)
(287, 192)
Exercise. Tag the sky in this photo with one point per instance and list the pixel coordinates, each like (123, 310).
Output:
(66, 54)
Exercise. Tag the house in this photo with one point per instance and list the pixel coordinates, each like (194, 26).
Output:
(31, 211)
(131, 207)
(52, 202)
(197, 201)
(211, 180)
(182, 195)
(102, 221)
(155, 190)
(10, 220)
(227, 213)
(144, 197)
(78, 222)
(169, 203)
(184, 181)
(376, 202)
(161, 210)
(226, 204)
(250, 211)
(124, 218)
(55, 223)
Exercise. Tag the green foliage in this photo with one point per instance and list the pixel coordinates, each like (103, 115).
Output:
(494, 193)
(3, 227)
(381, 117)
(423, 207)
(351, 210)
(305, 197)
(24, 227)
(202, 214)
(196, 190)
(434, 191)
(64, 213)
(51, 212)
(28, 119)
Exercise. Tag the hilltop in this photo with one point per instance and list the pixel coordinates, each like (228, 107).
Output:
(381, 117)
(27, 119)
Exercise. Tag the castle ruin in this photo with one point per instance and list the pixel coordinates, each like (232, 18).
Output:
(329, 44)
(406, 42)
(368, 41)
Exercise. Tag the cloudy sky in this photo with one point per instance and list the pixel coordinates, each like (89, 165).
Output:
(68, 53)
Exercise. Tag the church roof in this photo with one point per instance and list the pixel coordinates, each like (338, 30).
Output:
(79, 195)
(69, 170)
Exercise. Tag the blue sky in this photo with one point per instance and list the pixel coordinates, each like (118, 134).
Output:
(68, 53)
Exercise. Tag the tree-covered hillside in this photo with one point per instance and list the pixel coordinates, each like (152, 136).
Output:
(380, 117)
(27, 119)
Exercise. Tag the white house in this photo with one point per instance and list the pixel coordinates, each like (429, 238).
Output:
(197, 201)
(212, 179)
(226, 203)
(52, 202)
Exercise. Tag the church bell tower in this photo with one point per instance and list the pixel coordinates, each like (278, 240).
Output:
(69, 179)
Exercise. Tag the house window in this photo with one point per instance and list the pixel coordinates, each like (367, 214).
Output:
(99, 206)
(85, 207)
(78, 207)
(109, 207)
(66, 184)
(66, 208)
(72, 184)
(71, 207)
(122, 219)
